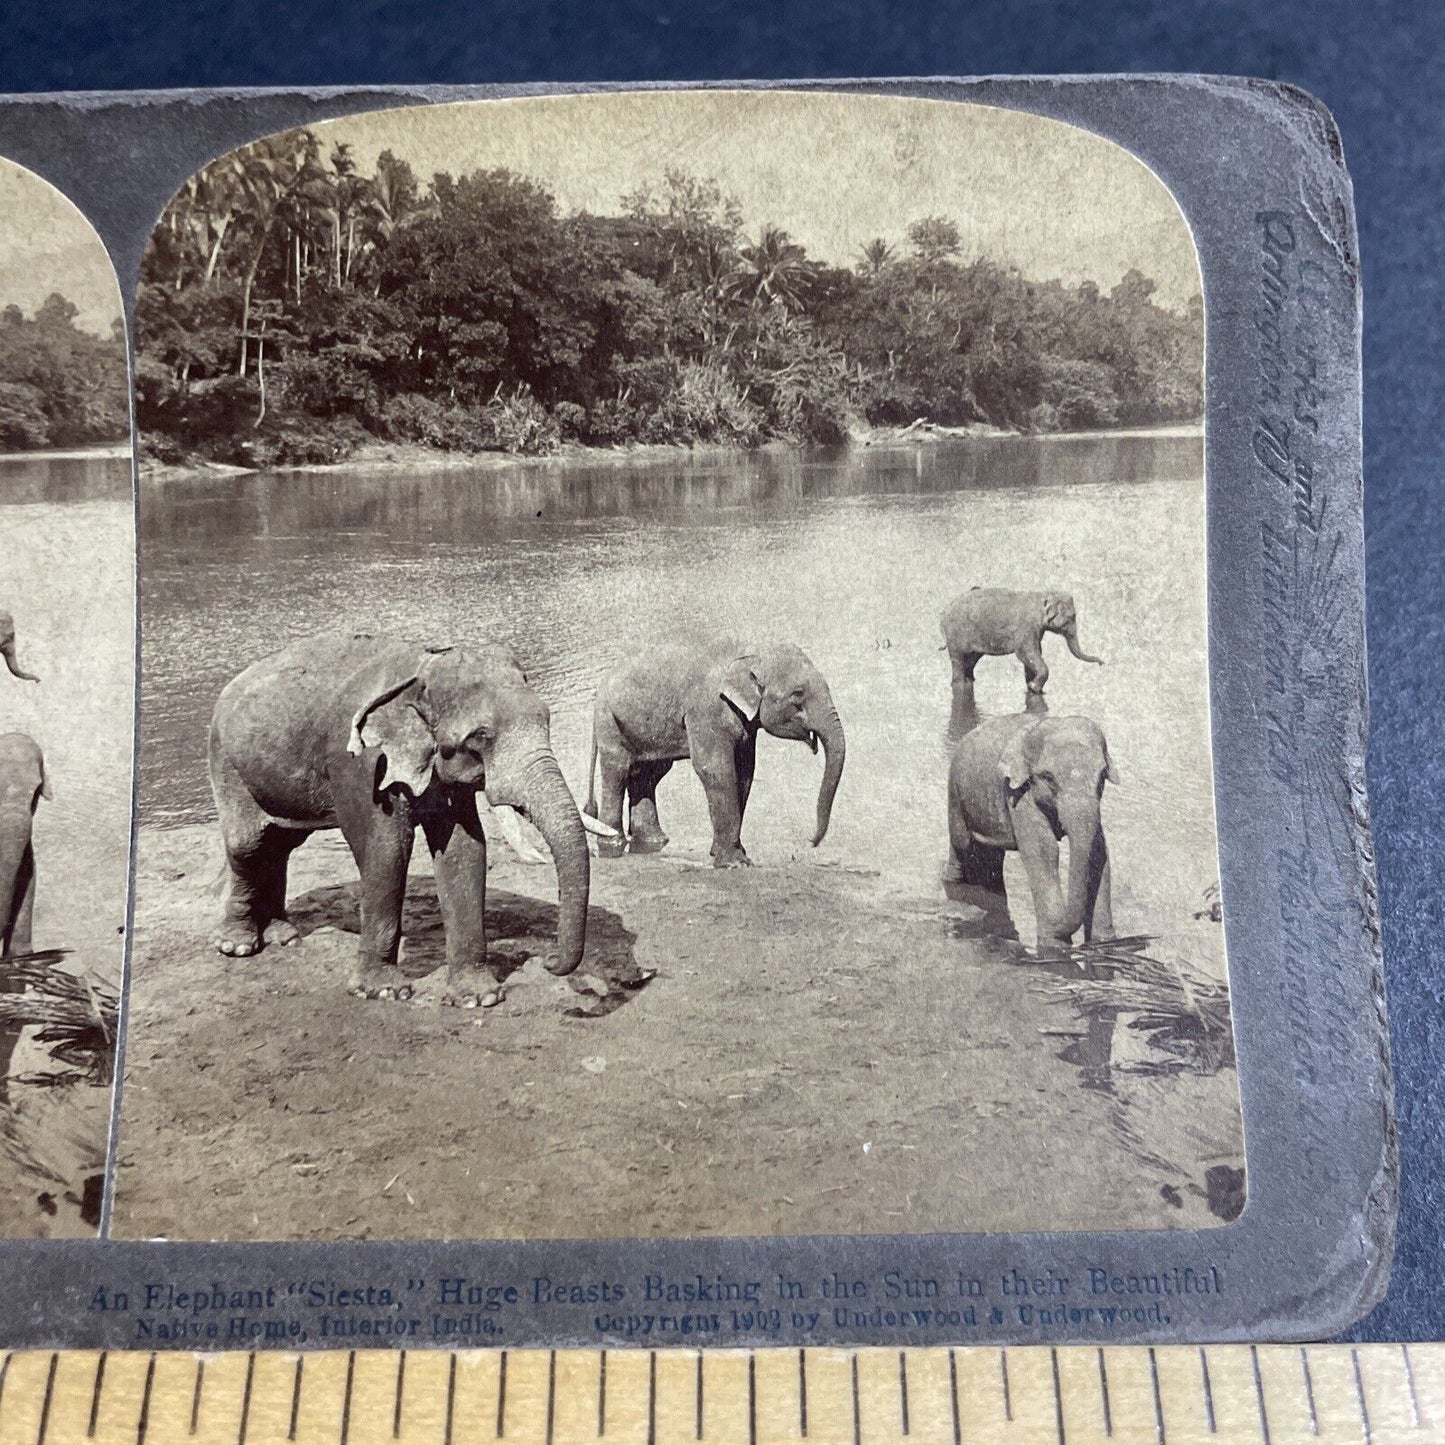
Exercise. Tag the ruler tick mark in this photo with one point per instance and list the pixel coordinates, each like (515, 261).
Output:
(1304, 1360)
(143, 1424)
(1410, 1379)
(45, 1403)
(1360, 1396)
(903, 1388)
(1258, 1393)
(451, 1396)
(1008, 1404)
(551, 1392)
(1208, 1389)
(400, 1387)
(1104, 1395)
(195, 1393)
(246, 1399)
(1158, 1401)
(501, 1394)
(295, 1398)
(94, 1394)
(803, 1393)
(753, 1400)
(953, 1397)
(346, 1397)
(652, 1397)
(857, 1413)
(1058, 1396)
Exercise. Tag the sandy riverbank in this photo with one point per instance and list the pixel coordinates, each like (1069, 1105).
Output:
(813, 1055)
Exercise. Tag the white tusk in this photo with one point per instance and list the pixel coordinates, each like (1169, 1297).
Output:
(511, 826)
(592, 825)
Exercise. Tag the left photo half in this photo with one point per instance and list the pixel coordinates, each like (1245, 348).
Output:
(67, 705)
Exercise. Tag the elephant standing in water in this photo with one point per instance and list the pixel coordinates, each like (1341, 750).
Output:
(22, 784)
(705, 701)
(1025, 784)
(992, 622)
(7, 649)
(377, 738)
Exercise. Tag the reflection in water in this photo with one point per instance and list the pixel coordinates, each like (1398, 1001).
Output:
(68, 478)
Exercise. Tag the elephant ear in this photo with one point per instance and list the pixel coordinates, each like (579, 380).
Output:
(1057, 609)
(46, 791)
(741, 689)
(1014, 766)
(393, 722)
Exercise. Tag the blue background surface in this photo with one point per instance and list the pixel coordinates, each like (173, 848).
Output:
(1377, 66)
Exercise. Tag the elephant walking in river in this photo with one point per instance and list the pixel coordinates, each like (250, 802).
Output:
(379, 737)
(705, 700)
(1026, 784)
(992, 622)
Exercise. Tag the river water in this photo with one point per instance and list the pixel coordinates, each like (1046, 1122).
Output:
(850, 554)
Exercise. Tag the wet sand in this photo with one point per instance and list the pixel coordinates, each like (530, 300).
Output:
(815, 1054)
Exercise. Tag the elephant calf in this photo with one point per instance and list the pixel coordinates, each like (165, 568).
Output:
(22, 784)
(992, 622)
(1024, 784)
(378, 738)
(705, 701)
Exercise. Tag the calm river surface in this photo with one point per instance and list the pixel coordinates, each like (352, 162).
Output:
(850, 554)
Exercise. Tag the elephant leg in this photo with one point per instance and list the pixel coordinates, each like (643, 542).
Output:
(22, 905)
(1036, 670)
(381, 839)
(718, 771)
(1099, 916)
(614, 764)
(459, 860)
(745, 759)
(256, 854)
(643, 826)
(963, 666)
(976, 865)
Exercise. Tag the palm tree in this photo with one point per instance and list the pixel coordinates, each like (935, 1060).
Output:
(876, 257)
(774, 270)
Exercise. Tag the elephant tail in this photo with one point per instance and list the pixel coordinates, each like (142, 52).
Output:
(591, 806)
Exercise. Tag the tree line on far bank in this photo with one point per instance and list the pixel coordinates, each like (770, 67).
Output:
(292, 308)
(60, 386)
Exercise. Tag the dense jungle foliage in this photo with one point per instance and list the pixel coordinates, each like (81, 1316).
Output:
(292, 308)
(59, 386)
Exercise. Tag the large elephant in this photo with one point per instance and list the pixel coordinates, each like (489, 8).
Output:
(377, 737)
(7, 649)
(1025, 784)
(22, 784)
(705, 700)
(993, 622)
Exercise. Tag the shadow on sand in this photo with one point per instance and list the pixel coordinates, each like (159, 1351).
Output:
(517, 928)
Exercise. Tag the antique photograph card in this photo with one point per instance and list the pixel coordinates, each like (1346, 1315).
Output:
(750, 712)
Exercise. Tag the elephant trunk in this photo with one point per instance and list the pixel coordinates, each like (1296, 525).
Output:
(7, 651)
(1071, 636)
(1086, 846)
(835, 751)
(548, 802)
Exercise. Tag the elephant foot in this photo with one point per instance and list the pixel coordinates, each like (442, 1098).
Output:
(649, 842)
(282, 933)
(385, 992)
(486, 998)
(731, 858)
(237, 938)
(611, 847)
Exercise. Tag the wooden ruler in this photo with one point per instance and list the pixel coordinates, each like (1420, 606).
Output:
(1072, 1395)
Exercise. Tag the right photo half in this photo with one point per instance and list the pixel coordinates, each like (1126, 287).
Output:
(675, 683)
